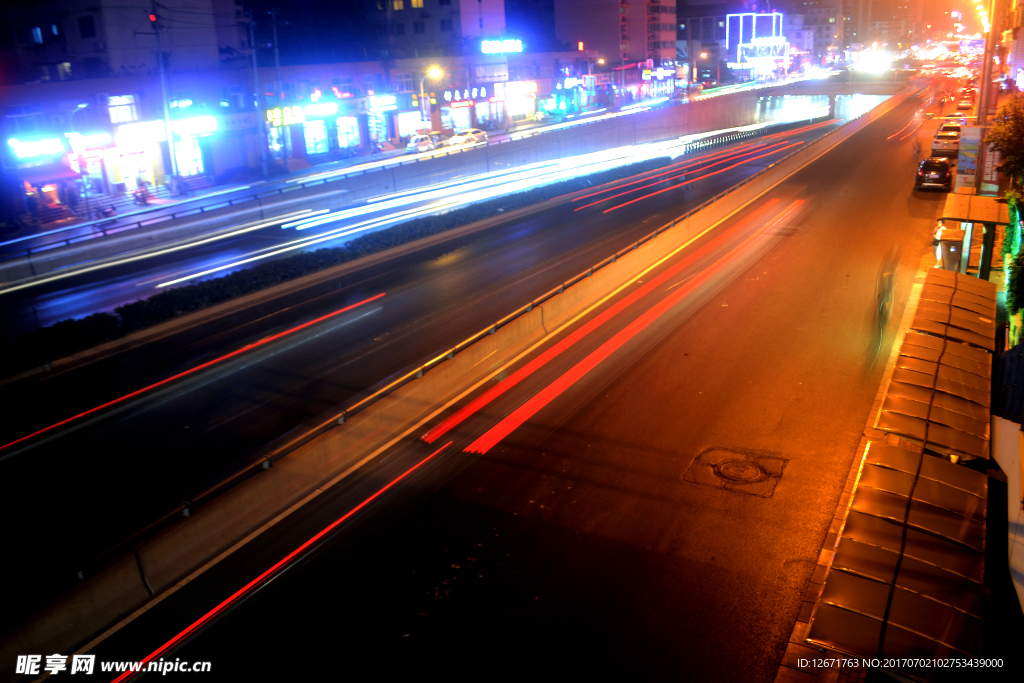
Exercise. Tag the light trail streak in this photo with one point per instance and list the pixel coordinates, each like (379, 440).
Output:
(277, 567)
(548, 394)
(190, 371)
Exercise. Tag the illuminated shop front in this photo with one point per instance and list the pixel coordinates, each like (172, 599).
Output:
(379, 108)
(44, 178)
(460, 108)
(191, 140)
(135, 157)
(348, 132)
(520, 99)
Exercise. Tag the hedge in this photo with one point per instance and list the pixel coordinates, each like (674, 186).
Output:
(69, 336)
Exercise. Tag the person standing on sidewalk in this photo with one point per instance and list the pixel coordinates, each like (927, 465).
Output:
(937, 243)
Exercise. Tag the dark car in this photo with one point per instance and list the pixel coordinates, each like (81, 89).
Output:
(934, 173)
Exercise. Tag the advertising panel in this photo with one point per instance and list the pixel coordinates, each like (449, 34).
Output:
(967, 164)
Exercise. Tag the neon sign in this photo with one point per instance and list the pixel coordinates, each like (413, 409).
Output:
(500, 47)
(27, 149)
(285, 116)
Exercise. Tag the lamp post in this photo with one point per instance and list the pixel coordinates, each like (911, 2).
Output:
(433, 73)
(85, 162)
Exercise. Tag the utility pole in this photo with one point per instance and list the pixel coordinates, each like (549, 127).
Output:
(154, 19)
(285, 130)
(258, 100)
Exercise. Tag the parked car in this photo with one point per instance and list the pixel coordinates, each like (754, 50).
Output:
(467, 137)
(964, 105)
(420, 143)
(950, 127)
(934, 172)
(946, 144)
(957, 118)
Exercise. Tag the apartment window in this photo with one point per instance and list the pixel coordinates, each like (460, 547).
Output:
(419, 27)
(396, 29)
(444, 2)
(397, 4)
(402, 82)
(122, 108)
(446, 24)
(87, 27)
(37, 35)
(24, 119)
(417, 4)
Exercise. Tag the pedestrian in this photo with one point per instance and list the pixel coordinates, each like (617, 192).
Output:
(937, 243)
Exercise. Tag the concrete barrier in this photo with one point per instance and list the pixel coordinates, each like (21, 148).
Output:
(238, 514)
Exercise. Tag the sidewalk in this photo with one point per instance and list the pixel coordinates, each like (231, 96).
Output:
(1003, 616)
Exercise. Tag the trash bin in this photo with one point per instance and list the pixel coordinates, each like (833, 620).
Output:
(951, 243)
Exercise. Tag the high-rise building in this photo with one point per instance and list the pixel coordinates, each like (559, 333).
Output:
(429, 28)
(619, 30)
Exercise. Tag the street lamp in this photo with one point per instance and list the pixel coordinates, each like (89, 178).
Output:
(84, 163)
(433, 73)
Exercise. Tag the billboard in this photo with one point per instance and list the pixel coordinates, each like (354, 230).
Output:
(967, 164)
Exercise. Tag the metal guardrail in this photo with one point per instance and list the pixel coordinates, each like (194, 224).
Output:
(266, 461)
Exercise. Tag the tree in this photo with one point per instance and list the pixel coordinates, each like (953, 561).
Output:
(1007, 137)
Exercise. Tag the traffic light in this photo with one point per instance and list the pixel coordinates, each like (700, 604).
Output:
(152, 21)
(579, 46)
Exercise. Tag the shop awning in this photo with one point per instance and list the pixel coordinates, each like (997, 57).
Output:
(37, 175)
(906, 577)
(972, 208)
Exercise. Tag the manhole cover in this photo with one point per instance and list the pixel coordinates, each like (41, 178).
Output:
(756, 474)
(740, 470)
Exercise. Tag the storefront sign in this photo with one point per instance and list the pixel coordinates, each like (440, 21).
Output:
(80, 143)
(519, 88)
(140, 134)
(468, 94)
(285, 116)
(572, 82)
(29, 149)
(500, 47)
(320, 109)
(379, 103)
(461, 103)
(196, 125)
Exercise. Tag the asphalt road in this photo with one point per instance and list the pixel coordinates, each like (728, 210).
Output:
(592, 539)
(130, 464)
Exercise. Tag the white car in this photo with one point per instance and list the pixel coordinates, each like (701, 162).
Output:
(420, 143)
(950, 127)
(470, 137)
(946, 144)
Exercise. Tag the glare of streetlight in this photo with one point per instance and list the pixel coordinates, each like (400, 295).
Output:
(435, 72)
(703, 55)
(601, 61)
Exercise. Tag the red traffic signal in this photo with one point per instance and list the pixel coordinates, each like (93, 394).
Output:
(152, 18)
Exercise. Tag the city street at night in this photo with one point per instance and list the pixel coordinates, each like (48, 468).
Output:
(512, 340)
